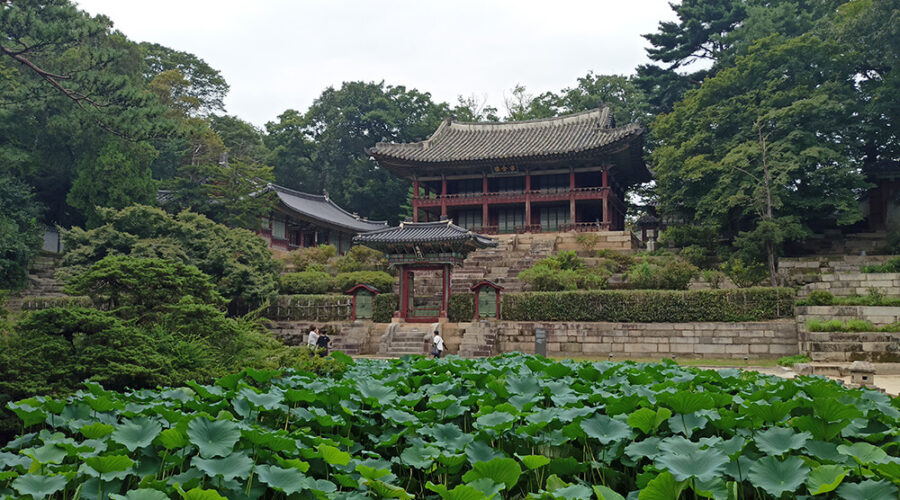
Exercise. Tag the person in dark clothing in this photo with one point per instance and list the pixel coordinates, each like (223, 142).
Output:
(323, 343)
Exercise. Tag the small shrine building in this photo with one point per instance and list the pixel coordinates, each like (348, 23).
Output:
(424, 253)
(308, 220)
(568, 173)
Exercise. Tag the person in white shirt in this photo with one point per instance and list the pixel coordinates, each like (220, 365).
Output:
(437, 349)
(313, 338)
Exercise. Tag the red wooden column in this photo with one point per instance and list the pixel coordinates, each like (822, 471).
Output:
(572, 197)
(528, 199)
(443, 196)
(484, 205)
(404, 292)
(607, 217)
(445, 290)
(415, 201)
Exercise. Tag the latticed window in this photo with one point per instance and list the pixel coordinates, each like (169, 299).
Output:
(552, 183)
(553, 217)
(469, 219)
(510, 218)
(278, 229)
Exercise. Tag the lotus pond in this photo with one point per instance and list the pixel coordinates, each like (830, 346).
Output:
(509, 427)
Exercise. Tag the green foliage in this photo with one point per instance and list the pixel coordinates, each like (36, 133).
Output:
(819, 298)
(449, 428)
(587, 241)
(620, 261)
(853, 300)
(461, 308)
(696, 256)
(381, 280)
(237, 261)
(686, 235)
(891, 266)
(892, 241)
(670, 274)
(565, 271)
(20, 232)
(714, 277)
(317, 308)
(118, 177)
(306, 282)
(135, 287)
(744, 274)
(793, 360)
(753, 304)
(312, 258)
(361, 258)
(543, 277)
(851, 325)
(384, 306)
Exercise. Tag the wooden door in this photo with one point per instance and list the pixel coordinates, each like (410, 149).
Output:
(487, 302)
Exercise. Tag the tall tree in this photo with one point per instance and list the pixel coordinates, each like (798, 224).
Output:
(201, 89)
(753, 151)
(343, 123)
(20, 231)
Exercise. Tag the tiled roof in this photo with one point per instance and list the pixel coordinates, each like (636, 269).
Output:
(550, 137)
(424, 232)
(320, 207)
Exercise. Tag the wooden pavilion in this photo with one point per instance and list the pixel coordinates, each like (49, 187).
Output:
(556, 174)
(423, 248)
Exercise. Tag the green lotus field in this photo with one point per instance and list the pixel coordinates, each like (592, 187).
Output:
(514, 426)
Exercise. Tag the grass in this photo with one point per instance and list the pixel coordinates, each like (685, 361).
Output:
(792, 360)
(852, 325)
(714, 362)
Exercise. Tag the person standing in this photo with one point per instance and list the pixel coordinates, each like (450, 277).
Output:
(313, 339)
(437, 345)
(323, 342)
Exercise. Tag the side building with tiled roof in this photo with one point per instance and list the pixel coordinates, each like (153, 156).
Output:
(307, 220)
(556, 174)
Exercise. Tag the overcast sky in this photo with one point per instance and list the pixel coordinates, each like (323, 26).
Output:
(281, 54)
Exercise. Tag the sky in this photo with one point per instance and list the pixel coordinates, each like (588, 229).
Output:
(281, 54)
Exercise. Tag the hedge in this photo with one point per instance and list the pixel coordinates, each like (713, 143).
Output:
(383, 307)
(310, 308)
(306, 283)
(383, 281)
(650, 306)
(461, 308)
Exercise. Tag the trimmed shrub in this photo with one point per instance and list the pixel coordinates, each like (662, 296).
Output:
(714, 277)
(304, 258)
(621, 261)
(672, 274)
(820, 298)
(891, 266)
(545, 278)
(851, 325)
(752, 304)
(310, 307)
(381, 280)
(461, 307)
(360, 258)
(745, 275)
(793, 360)
(384, 306)
(696, 256)
(306, 283)
(682, 236)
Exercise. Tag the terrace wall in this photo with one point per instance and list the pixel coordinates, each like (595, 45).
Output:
(845, 284)
(763, 339)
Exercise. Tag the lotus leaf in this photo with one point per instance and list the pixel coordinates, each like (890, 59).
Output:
(289, 480)
(39, 486)
(213, 438)
(605, 429)
(139, 433)
(777, 476)
(825, 478)
(499, 470)
(779, 440)
(235, 465)
(662, 487)
(868, 490)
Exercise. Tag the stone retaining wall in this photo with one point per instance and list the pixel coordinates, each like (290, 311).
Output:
(879, 316)
(764, 339)
(852, 346)
(845, 284)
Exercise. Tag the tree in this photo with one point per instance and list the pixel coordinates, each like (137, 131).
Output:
(292, 153)
(193, 85)
(342, 124)
(118, 177)
(763, 157)
(474, 109)
(20, 232)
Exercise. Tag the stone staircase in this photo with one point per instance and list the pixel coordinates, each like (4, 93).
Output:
(479, 340)
(41, 283)
(401, 339)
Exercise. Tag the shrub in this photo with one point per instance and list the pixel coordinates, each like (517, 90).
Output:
(793, 360)
(820, 298)
(545, 278)
(648, 306)
(682, 236)
(891, 266)
(856, 300)
(892, 243)
(672, 274)
(360, 258)
(384, 306)
(588, 241)
(306, 283)
(696, 256)
(381, 280)
(743, 274)
(20, 231)
(593, 279)
(622, 261)
(303, 258)
(714, 277)
(133, 287)
(461, 307)
(237, 261)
